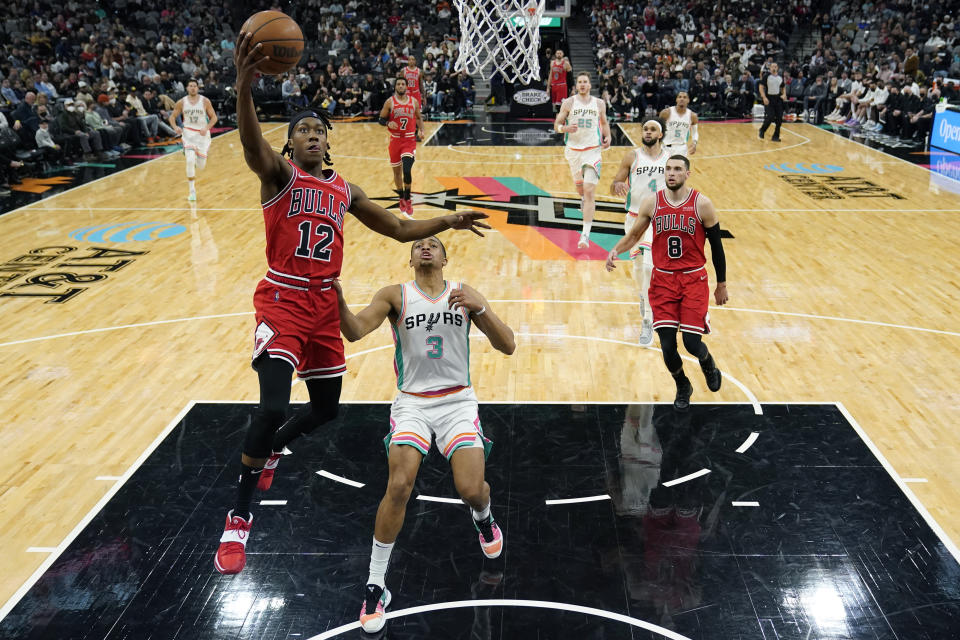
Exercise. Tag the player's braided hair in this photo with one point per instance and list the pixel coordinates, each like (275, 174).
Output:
(323, 117)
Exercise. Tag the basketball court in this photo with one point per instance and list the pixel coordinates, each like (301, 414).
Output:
(814, 496)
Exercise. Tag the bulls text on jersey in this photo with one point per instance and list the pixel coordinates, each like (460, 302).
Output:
(675, 222)
(305, 201)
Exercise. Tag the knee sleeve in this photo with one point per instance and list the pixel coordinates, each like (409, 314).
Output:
(259, 438)
(693, 343)
(668, 345)
(191, 162)
(407, 163)
(590, 175)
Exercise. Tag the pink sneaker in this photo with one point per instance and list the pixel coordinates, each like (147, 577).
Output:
(374, 621)
(492, 548)
(232, 555)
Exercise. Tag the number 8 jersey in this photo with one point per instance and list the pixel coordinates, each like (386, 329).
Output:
(432, 343)
(304, 225)
(678, 234)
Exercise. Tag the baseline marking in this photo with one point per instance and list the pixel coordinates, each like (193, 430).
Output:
(273, 503)
(576, 500)
(436, 499)
(744, 503)
(41, 549)
(110, 478)
(94, 510)
(748, 442)
(937, 529)
(538, 604)
(686, 478)
(336, 478)
(914, 480)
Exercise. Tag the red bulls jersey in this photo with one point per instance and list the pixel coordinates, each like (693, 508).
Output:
(413, 79)
(678, 234)
(304, 225)
(405, 115)
(558, 74)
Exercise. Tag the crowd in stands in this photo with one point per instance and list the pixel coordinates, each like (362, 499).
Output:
(877, 65)
(361, 46)
(86, 79)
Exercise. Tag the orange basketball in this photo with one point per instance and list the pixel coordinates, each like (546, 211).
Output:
(281, 38)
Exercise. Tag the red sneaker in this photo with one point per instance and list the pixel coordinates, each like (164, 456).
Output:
(266, 476)
(232, 555)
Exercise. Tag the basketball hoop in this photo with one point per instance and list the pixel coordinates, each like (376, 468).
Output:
(500, 35)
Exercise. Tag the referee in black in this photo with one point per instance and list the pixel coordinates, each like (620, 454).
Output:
(773, 91)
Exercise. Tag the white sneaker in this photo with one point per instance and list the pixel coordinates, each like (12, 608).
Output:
(583, 242)
(192, 197)
(646, 334)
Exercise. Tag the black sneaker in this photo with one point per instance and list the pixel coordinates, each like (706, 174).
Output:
(684, 391)
(760, 134)
(711, 374)
(775, 139)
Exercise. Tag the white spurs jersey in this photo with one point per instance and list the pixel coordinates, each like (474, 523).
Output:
(678, 128)
(647, 176)
(194, 113)
(432, 343)
(586, 115)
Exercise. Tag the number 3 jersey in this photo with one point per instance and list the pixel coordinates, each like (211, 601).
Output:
(432, 343)
(304, 225)
(678, 234)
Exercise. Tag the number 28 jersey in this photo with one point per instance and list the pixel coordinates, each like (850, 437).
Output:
(304, 226)
(678, 234)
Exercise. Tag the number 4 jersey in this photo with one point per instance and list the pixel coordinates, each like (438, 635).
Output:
(304, 225)
(432, 343)
(678, 234)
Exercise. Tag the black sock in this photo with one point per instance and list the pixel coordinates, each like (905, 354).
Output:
(248, 484)
(406, 194)
(486, 527)
(706, 362)
(679, 377)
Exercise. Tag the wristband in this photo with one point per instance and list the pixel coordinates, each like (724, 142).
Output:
(483, 310)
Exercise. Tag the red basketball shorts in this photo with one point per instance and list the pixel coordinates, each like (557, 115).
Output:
(400, 147)
(301, 327)
(680, 299)
(558, 93)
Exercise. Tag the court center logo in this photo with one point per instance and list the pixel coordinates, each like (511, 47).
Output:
(128, 232)
(542, 225)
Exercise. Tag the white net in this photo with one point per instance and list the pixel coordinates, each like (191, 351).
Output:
(500, 35)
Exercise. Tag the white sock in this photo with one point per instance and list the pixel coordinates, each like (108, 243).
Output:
(193, 187)
(586, 229)
(480, 516)
(379, 559)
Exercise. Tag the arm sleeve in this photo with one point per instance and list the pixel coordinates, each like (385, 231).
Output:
(716, 252)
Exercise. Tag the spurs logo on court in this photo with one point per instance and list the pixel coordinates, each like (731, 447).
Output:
(515, 202)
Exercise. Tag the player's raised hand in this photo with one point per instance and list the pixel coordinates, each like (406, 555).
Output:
(461, 298)
(245, 58)
(468, 220)
(611, 259)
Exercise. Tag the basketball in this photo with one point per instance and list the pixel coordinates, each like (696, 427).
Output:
(281, 38)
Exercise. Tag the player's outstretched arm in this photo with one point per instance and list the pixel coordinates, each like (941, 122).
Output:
(644, 215)
(711, 226)
(482, 315)
(619, 187)
(355, 326)
(385, 223)
(273, 170)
